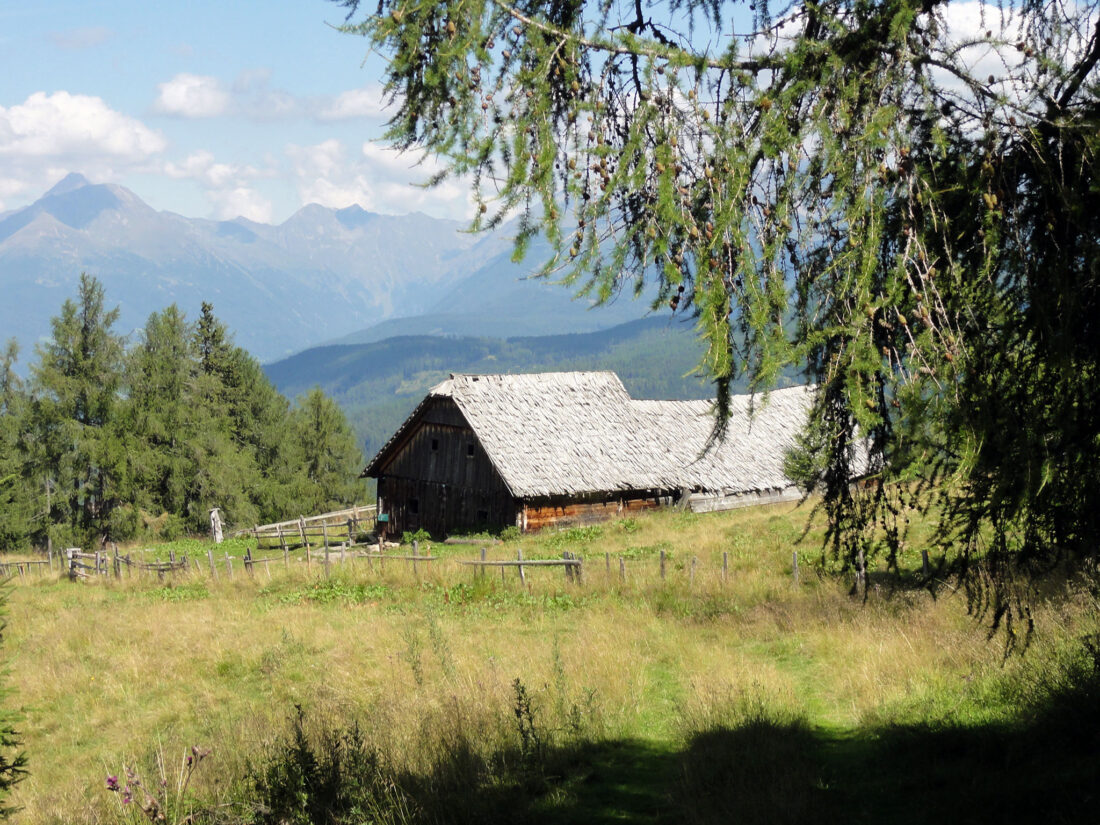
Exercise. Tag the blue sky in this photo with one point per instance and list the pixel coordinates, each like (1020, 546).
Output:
(209, 109)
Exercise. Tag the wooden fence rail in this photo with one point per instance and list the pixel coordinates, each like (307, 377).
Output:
(688, 569)
(357, 514)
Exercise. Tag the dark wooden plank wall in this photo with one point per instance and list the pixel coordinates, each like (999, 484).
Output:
(441, 480)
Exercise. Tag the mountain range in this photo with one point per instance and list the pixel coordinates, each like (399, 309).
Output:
(320, 276)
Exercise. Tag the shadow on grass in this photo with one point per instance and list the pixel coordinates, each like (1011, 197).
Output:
(1044, 767)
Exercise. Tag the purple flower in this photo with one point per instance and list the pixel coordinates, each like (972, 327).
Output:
(112, 783)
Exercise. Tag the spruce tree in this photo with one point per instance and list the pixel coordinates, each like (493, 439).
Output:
(16, 502)
(330, 459)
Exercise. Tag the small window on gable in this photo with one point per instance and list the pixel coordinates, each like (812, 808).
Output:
(435, 444)
(470, 450)
(414, 506)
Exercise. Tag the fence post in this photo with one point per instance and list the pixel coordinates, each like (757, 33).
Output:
(302, 531)
(662, 565)
(210, 555)
(351, 536)
(324, 534)
(924, 563)
(622, 570)
(282, 540)
(725, 565)
(117, 564)
(248, 562)
(229, 565)
(578, 570)
(519, 557)
(416, 552)
(69, 563)
(327, 571)
(566, 556)
(481, 570)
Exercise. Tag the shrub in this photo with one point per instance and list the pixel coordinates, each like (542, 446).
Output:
(124, 523)
(172, 529)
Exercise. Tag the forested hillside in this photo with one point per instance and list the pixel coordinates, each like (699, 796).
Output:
(378, 384)
(112, 439)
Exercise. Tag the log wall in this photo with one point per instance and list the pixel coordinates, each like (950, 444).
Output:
(440, 479)
(566, 512)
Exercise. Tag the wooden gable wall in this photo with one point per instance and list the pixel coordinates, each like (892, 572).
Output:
(440, 479)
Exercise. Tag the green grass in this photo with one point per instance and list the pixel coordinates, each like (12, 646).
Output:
(704, 699)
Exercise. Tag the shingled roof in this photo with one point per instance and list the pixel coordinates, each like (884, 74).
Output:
(572, 433)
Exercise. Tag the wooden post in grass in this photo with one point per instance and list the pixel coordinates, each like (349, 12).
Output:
(117, 563)
(282, 540)
(662, 565)
(416, 552)
(622, 570)
(286, 553)
(351, 535)
(481, 570)
(210, 555)
(302, 531)
(578, 570)
(924, 568)
(309, 561)
(519, 558)
(248, 562)
(324, 534)
(327, 571)
(229, 565)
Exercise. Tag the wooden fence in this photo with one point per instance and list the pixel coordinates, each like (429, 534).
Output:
(298, 531)
(331, 555)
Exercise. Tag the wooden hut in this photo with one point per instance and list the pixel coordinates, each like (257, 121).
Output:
(486, 451)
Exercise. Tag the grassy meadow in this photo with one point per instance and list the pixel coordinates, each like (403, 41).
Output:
(380, 695)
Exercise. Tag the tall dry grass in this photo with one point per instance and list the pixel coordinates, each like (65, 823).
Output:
(111, 673)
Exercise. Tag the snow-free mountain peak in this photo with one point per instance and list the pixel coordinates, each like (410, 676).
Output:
(321, 274)
(73, 180)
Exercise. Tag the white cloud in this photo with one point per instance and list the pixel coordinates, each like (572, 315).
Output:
(193, 96)
(64, 124)
(376, 178)
(225, 185)
(49, 135)
(81, 38)
(367, 102)
(241, 201)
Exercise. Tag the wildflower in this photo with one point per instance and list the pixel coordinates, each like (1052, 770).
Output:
(112, 783)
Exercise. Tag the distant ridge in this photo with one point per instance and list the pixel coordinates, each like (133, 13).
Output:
(320, 275)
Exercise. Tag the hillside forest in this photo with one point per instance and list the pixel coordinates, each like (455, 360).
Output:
(115, 438)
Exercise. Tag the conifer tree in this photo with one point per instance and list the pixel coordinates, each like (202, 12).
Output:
(75, 386)
(899, 197)
(331, 460)
(15, 501)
